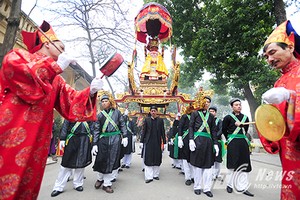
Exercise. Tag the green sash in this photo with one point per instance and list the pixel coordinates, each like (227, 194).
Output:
(204, 122)
(186, 132)
(235, 132)
(127, 123)
(75, 127)
(237, 135)
(204, 134)
(107, 134)
(176, 140)
(223, 147)
(108, 120)
(217, 121)
(204, 125)
(176, 146)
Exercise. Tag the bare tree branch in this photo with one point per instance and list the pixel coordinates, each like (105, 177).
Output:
(101, 25)
(28, 15)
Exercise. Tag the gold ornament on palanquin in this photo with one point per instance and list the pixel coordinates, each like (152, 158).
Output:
(200, 98)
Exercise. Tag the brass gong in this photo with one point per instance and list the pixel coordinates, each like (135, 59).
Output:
(269, 122)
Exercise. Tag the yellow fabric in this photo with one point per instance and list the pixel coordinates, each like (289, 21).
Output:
(49, 35)
(279, 35)
(156, 63)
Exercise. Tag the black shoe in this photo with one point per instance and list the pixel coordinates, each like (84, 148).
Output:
(98, 184)
(181, 173)
(197, 192)
(114, 180)
(248, 193)
(229, 189)
(188, 182)
(148, 181)
(79, 188)
(156, 178)
(55, 193)
(193, 180)
(127, 167)
(107, 189)
(120, 170)
(123, 166)
(143, 170)
(208, 193)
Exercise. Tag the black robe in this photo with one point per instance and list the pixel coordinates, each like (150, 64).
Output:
(238, 149)
(109, 148)
(172, 134)
(153, 135)
(204, 155)
(219, 137)
(169, 137)
(77, 153)
(184, 126)
(131, 131)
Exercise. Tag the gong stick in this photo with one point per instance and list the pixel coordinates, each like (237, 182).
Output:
(248, 123)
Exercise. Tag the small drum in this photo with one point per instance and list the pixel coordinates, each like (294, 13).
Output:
(111, 64)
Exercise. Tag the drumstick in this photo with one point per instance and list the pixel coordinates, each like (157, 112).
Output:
(76, 64)
(46, 36)
(248, 123)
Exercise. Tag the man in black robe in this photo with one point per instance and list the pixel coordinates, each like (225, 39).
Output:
(218, 159)
(238, 155)
(109, 134)
(131, 135)
(173, 144)
(153, 135)
(203, 146)
(183, 144)
(76, 139)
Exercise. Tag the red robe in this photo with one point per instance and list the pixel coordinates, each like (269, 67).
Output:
(30, 89)
(289, 146)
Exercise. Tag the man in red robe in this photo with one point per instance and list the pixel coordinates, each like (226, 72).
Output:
(279, 51)
(30, 89)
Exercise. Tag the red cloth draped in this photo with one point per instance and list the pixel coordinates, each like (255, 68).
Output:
(30, 89)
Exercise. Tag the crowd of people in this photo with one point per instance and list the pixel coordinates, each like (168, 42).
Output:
(200, 139)
(196, 143)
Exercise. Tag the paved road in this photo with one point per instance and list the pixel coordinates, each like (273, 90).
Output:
(264, 178)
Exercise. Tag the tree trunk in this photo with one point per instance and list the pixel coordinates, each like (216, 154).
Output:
(279, 11)
(252, 104)
(13, 22)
